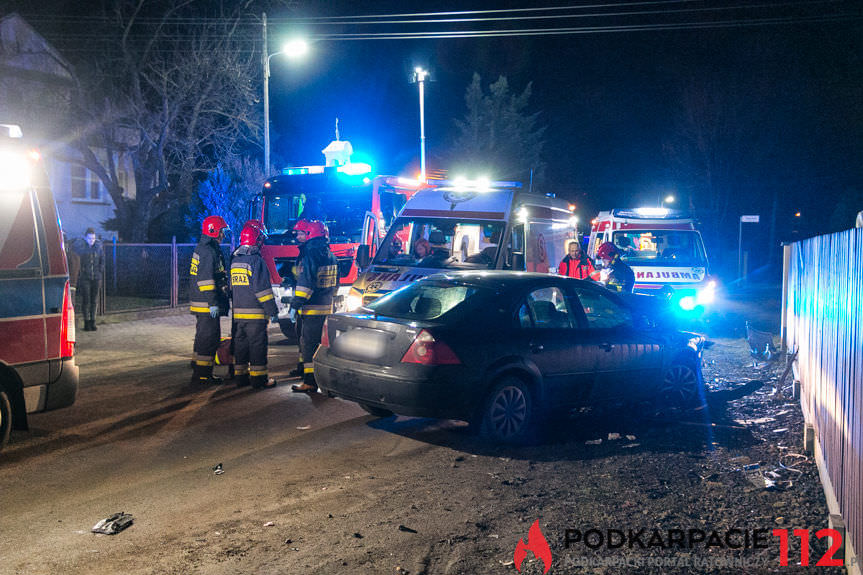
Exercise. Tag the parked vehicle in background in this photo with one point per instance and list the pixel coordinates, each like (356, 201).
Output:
(356, 205)
(500, 349)
(467, 226)
(37, 321)
(665, 251)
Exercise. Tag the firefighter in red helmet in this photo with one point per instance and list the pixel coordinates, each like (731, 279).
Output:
(619, 276)
(210, 297)
(254, 305)
(317, 281)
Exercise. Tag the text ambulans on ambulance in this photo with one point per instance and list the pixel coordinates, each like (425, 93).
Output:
(37, 323)
(664, 250)
(461, 226)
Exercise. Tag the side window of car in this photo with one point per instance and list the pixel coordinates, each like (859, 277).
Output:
(545, 308)
(601, 311)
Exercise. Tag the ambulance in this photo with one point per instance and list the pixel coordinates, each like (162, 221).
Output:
(467, 225)
(37, 323)
(665, 251)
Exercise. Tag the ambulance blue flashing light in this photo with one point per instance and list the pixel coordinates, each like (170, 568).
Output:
(651, 213)
(355, 169)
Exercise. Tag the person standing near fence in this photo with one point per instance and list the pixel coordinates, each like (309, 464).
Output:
(92, 262)
(317, 280)
(210, 297)
(253, 306)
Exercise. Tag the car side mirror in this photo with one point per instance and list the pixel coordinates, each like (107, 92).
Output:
(363, 256)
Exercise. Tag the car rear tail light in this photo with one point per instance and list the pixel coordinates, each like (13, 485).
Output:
(426, 350)
(67, 326)
(325, 337)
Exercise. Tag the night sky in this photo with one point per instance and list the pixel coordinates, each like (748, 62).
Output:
(613, 102)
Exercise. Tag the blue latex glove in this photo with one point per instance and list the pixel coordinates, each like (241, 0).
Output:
(274, 319)
(214, 311)
(292, 315)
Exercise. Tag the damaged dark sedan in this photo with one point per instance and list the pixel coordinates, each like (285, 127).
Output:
(504, 350)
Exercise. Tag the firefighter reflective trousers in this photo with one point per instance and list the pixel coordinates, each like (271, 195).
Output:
(208, 332)
(250, 349)
(310, 339)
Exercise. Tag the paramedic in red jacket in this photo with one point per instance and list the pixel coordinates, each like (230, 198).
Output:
(576, 264)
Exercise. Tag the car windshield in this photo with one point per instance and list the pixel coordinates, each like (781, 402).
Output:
(660, 247)
(446, 243)
(424, 300)
(341, 201)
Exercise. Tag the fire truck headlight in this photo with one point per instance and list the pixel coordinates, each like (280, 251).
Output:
(14, 171)
(353, 301)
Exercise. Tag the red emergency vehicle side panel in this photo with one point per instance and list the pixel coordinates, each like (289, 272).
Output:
(24, 340)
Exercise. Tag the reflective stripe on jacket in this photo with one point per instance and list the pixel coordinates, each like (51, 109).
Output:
(251, 289)
(317, 279)
(209, 278)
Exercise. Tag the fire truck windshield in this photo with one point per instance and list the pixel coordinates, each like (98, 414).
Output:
(340, 201)
(660, 247)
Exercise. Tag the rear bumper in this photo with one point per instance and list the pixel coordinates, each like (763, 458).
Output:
(441, 392)
(63, 391)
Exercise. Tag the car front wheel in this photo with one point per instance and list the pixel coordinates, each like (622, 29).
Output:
(681, 385)
(508, 412)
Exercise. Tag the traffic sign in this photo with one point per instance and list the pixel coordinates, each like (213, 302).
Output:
(750, 219)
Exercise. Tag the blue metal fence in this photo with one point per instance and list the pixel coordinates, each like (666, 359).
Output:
(824, 323)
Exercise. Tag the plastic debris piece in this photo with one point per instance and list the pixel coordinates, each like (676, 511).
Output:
(113, 524)
(613, 436)
(407, 529)
(631, 445)
(593, 442)
(304, 427)
(269, 524)
(630, 437)
(780, 430)
(217, 470)
(753, 474)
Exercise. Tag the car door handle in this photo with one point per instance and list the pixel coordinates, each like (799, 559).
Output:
(606, 346)
(536, 347)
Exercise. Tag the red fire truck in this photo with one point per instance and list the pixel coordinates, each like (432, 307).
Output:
(357, 206)
(37, 322)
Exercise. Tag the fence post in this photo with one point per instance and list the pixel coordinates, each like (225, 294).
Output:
(786, 269)
(175, 274)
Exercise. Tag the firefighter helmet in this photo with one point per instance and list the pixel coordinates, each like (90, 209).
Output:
(213, 225)
(312, 228)
(606, 251)
(252, 234)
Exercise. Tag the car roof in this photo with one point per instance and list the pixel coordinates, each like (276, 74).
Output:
(500, 278)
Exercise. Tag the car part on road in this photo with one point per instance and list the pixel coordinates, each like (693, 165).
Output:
(5, 419)
(376, 411)
(218, 470)
(113, 524)
(508, 413)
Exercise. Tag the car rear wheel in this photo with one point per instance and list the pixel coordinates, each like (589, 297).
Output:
(681, 385)
(5, 419)
(508, 412)
(376, 411)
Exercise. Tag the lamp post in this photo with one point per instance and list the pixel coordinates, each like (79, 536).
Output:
(293, 49)
(420, 76)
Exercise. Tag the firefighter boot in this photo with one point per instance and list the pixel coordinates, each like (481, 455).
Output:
(297, 372)
(242, 379)
(204, 375)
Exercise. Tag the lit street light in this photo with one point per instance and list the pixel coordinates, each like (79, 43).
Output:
(420, 76)
(669, 199)
(293, 49)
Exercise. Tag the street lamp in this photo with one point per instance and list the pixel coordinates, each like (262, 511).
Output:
(669, 199)
(294, 49)
(420, 77)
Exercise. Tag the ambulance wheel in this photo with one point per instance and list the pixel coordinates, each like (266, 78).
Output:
(289, 330)
(5, 419)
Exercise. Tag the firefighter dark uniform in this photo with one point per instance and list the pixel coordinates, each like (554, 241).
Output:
(209, 298)
(620, 277)
(317, 281)
(253, 306)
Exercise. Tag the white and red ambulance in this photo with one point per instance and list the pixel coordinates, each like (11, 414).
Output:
(665, 251)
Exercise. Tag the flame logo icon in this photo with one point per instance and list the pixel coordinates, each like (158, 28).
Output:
(537, 544)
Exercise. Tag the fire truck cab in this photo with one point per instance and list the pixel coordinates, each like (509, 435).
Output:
(477, 225)
(37, 322)
(664, 250)
(356, 205)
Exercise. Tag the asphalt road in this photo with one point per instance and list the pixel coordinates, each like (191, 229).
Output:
(315, 485)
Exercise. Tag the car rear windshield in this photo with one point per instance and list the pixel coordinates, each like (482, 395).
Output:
(425, 300)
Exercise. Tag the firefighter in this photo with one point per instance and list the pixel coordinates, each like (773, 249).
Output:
(210, 297)
(575, 263)
(317, 280)
(253, 305)
(619, 276)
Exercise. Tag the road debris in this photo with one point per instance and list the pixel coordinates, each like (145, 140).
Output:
(270, 524)
(407, 529)
(613, 436)
(217, 470)
(113, 524)
(593, 442)
(304, 427)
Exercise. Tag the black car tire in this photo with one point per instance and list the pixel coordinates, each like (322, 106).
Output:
(376, 411)
(508, 414)
(681, 385)
(289, 330)
(5, 419)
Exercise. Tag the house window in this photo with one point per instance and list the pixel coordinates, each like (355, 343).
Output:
(85, 185)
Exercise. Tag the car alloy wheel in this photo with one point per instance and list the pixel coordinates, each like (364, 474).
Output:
(680, 385)
(508, 413)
